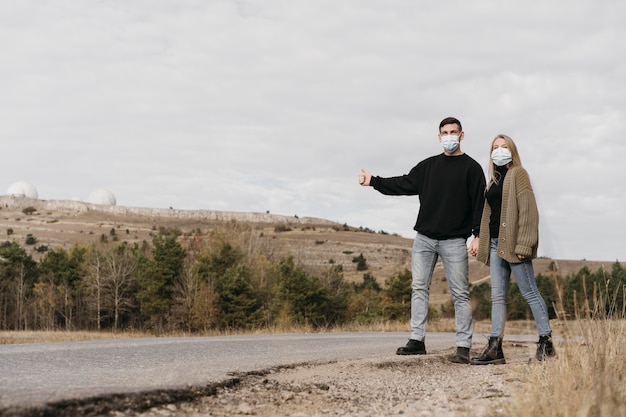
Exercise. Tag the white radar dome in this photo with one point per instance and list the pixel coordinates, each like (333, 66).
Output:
(102, 196)
(23, 189)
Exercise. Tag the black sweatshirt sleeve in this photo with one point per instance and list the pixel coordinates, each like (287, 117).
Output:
(407, 184)
(477, 196)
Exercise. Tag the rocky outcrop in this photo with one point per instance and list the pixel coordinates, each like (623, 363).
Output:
(18, 202)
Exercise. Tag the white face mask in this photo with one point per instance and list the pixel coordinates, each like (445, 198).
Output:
(450, 143)
(501, 156)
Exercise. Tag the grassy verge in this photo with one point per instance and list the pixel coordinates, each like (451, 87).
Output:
(439, 325)
(587, 378)
(28, 336)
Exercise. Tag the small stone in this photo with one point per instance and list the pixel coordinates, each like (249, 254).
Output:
(286, 396)
(245, 408)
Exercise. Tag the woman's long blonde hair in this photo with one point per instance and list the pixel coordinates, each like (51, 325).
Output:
(516, 161)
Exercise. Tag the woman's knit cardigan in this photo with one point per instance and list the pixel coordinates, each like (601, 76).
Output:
(519, 220)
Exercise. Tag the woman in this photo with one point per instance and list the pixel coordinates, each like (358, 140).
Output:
(509, 236)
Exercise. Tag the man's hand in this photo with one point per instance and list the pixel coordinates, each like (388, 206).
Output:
(364, 177)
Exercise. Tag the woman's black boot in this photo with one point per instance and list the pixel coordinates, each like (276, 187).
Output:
(492, 355)
(545, 348)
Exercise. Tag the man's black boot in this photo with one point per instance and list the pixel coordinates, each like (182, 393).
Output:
(545, 348)
(461, 355)
(413, 347)
(492, 355)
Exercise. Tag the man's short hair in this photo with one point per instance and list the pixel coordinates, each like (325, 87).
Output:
(450, 121)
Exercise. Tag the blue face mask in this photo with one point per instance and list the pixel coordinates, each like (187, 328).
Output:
(501, 156)
(450, 143)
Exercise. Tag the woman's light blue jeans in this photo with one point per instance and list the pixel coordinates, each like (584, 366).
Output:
(500, 281)
(453, 253)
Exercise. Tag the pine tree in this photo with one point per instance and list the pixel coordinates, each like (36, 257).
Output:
(156, 279)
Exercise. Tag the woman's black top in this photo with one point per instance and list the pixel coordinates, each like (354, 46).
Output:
(494, 199)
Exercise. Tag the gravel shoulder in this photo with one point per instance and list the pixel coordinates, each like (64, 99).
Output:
(388, 385)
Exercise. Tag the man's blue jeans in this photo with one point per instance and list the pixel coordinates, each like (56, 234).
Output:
(500, 281)
(453, 253)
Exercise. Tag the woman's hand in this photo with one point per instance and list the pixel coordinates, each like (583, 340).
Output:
(473, 247)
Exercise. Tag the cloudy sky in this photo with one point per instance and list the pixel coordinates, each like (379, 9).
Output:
(276, 105)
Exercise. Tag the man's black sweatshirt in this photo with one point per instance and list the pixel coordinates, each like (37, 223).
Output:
(451, 193)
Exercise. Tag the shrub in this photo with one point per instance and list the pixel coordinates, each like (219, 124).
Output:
(170, 231)
(30, 239)
(361, 262)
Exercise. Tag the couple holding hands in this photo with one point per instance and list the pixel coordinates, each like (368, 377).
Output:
(455, 203)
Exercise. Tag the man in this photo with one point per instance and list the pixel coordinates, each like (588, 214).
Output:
(450, 187)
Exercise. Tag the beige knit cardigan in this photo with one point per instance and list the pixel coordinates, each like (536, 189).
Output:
(519, 220)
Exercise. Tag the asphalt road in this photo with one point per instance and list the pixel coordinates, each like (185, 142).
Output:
(32, 375)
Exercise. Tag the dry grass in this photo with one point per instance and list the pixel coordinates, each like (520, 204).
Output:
(27, 336)
(440, 325)
(588, 377)
(22, 337)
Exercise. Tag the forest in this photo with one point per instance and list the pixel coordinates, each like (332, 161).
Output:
(225, 280)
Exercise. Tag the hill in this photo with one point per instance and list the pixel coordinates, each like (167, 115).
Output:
(315, 243)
